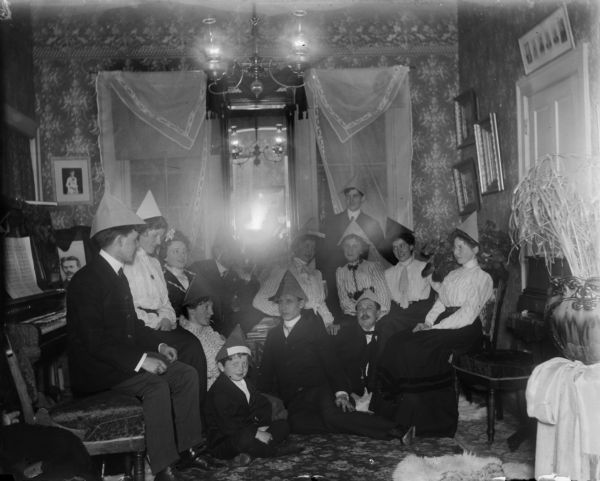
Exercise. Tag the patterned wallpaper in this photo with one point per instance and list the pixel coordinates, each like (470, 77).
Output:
(71, 46)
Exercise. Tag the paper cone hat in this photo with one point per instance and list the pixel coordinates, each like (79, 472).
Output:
(469, 228)
(198, 289)
(394, 229)
(234, 344)
(310, 228)
(355, 229)
(355, 183)
(369, 294)
(148, 208)
(113, 213)
(289, 285)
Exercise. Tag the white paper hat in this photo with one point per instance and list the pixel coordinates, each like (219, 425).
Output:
(148, 208)
(113, 213)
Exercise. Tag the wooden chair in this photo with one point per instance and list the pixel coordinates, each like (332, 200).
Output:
(492, 370)
(107, 423)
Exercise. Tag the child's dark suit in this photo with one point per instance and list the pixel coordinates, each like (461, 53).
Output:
(233, 421)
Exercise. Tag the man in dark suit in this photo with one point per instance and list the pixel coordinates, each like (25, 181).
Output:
(357, 347)
(331, 256)
(234, 289)
(300, 367)
(110, 348)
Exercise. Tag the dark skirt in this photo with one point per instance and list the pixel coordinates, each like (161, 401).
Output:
(414, 381)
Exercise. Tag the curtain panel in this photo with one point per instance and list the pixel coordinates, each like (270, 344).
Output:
(153, 135)
(362, 122)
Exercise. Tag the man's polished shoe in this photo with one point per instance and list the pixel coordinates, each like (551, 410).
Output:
(168, 474)
(191, 459)
(406, 436)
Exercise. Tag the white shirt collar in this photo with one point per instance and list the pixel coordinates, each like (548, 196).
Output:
(114, 263)
(353, 214)
(406, 262)
(289, 325)
(472, 263)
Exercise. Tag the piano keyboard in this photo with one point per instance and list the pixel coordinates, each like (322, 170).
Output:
(49, 322)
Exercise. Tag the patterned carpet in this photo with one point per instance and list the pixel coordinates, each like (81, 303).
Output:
(333, 457)
(337, 457)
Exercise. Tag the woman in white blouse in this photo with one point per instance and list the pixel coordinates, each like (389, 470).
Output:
(415, 379)
(357, 276)
(197, 312)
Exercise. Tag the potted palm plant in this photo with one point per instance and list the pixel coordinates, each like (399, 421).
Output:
(555, 214)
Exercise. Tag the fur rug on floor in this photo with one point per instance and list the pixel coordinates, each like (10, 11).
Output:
(458, 467)
(468, 411)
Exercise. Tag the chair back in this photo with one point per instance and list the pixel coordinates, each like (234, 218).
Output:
(490, 314)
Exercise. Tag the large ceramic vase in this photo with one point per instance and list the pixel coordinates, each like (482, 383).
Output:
(573, 310)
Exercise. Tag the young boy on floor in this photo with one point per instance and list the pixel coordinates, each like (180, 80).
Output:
(239, 418)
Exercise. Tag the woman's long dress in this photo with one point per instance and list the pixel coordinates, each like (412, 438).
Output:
(414, 376)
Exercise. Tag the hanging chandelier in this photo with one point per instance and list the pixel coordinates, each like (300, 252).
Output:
(272, 149)
(226, 73)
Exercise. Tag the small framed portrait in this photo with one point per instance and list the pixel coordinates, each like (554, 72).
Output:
(547, 40)
(465, 184)
(465, 112)
(489, 163)
(71, 260)
(72, 181)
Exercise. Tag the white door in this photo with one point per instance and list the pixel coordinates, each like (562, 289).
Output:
(554, 113)
(553, 104)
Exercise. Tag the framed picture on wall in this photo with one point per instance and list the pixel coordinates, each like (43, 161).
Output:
(489, 163)
(72, 180)
(465, 112)
(547, 40)
(465, 184)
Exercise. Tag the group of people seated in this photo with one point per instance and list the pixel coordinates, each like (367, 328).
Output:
(359, 349)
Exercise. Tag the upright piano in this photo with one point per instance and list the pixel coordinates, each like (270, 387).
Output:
(39, 321)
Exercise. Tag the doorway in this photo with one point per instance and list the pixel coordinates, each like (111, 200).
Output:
(259, 158)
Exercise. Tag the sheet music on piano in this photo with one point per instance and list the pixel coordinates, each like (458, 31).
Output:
(19, 272)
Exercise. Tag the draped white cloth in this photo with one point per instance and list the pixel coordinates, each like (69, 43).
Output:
(149, 120)
(362, 121)
(563, 396)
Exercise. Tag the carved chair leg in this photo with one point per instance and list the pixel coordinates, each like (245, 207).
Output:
(499, 406)
(138, 466)
(491, 412)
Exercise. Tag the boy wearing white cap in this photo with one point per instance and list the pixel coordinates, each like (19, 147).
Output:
(239, 417)
(110, 348)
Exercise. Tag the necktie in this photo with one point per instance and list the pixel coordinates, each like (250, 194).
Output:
(403, 287)
(370, 335)
(122, 276)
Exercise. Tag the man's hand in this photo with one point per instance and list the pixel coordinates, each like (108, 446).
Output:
(169, 352)
(333, 329)
(154, 365)
(263, 436)
(343, 402)
(165, 325)
(421, 327)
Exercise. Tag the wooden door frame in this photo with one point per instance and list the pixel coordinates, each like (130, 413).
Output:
(572, 63)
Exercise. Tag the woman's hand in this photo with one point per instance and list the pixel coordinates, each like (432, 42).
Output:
(333, 329)
(421, 327)
(263, 436)
(165, 325)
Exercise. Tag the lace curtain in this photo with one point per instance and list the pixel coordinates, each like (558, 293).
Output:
(153, 134)
(362, 121)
